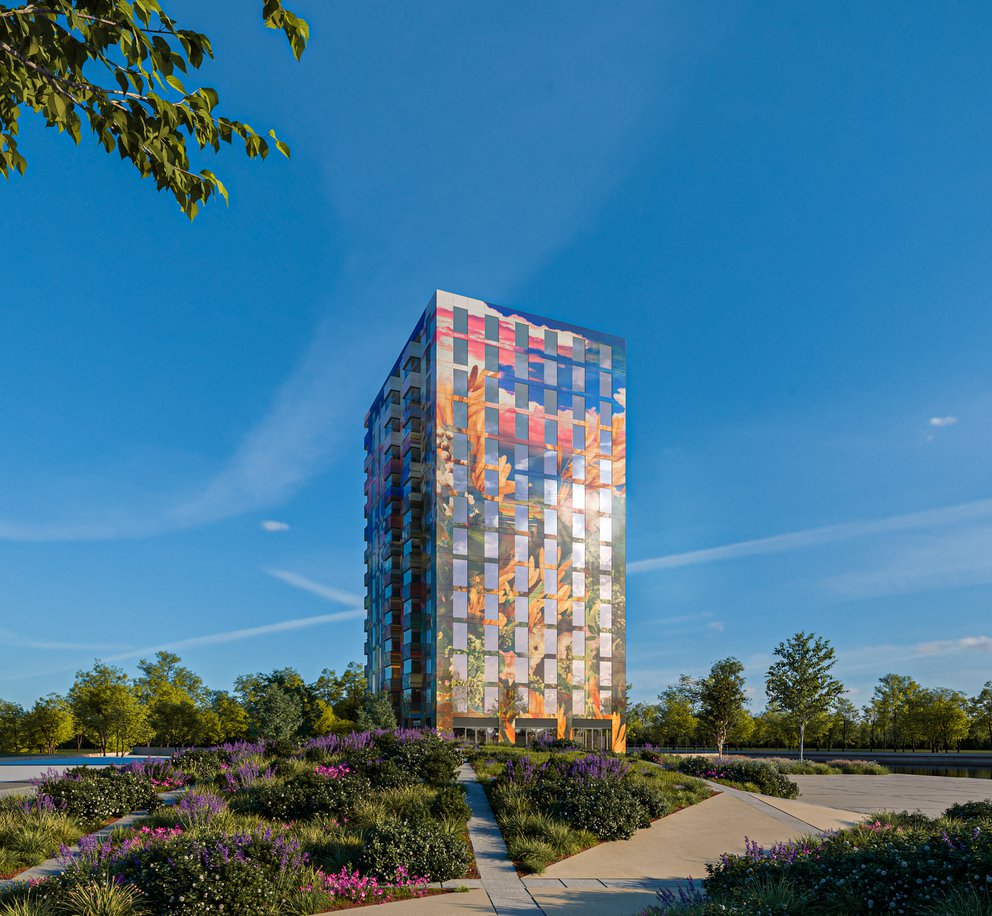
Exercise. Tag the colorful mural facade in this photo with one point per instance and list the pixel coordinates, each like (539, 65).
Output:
(523, 481)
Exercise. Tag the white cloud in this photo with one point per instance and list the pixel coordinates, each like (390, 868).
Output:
(813, 537)
(15, 640)
(943, 646)
(924, 562)
(715, 626)
(213, 639)
(328, 592)
(272, 525)
(943, 421)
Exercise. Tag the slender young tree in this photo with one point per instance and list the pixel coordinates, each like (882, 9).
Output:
(800, 681)
(121, 66)
(722, 700)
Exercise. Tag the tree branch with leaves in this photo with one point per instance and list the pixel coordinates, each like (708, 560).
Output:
(119, 65)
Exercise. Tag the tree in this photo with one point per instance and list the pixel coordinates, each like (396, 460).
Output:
(891, 698)
(277, 715)
(117, 63)
(800, 681)
(375, 712)
(49, 723)
(980, 709)
(642, 719)
(344, 692)
(231, 717)
(676, 711)
(722, 700)
(99, 700)
(943, 717)
(11, 727)
(844, 719)
(175, 698)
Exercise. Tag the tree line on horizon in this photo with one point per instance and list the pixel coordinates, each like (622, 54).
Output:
(168, 705)
(806, 705)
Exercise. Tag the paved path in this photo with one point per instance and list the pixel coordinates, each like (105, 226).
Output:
(507, 893)
(897, 792)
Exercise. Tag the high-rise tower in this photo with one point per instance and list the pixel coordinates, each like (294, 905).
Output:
(495, 517)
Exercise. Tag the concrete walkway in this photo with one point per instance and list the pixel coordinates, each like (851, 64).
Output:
(898, 792)
(507, 893)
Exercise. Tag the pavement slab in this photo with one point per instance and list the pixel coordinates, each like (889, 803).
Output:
(897, 792)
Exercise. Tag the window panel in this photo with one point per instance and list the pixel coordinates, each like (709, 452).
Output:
(492, 328)
(551, 611)
(460, 604)
(578, 584)
(520, 640)
(520, 545)
(460, 320)
(461, 383)
(520, 610)
(551, 521)
(492, 668)
(491, 638)
(551, 642)
(521, 673)
(459, 446)
(550, 399)
(459, 635)
(578, 526)
(550, 552)
(459, 351)
(459, 476)
(578, 613)
(491, 575)
(459, 573)
(521, 335)
(551, 582)
(579, 554)
(492, 607)
(491, 512)
(461, 510)
(606, 616)
(460, 414)
(578, 496)
(492, 389)
(460, 541)
(606, 530)
(520, 395)
(492, 545)
(521, 518)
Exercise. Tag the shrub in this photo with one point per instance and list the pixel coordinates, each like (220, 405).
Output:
(302, 797)
(198, 765)
(652, 798)
(765, 776)
(450, 803)
(99, 794)
(970, 810)
(608, 808)
(878, 867)
(425, 851)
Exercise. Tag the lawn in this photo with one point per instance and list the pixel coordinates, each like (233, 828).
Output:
(553, 804)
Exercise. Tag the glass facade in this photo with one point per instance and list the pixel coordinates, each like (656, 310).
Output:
(495, 510)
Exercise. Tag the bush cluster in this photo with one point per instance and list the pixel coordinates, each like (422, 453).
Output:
(302, 797)
(897, 863)
(763, 776)
(95, 794)
(423, 849)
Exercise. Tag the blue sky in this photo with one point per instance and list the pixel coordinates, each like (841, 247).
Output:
(784, 210)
